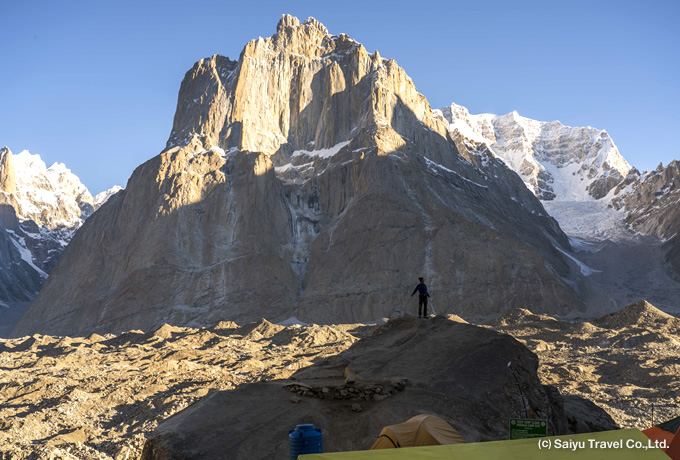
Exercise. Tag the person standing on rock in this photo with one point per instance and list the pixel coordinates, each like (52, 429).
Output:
(421, 289)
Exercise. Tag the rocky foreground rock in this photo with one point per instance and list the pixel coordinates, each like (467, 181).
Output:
(409, 366)
(624, 361)
(96, 397)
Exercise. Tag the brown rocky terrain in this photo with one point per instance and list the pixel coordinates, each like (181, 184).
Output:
(625, 362)
(97, 397)
(100, 397)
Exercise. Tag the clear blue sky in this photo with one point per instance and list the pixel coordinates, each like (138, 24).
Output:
(94, 84)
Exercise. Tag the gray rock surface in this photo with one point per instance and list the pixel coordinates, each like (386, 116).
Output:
(456, 371)
(308, 179)
(652, 203)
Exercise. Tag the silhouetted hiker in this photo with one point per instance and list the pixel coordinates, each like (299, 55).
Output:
(421, 289)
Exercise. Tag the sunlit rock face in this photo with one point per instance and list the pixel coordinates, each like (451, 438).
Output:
(306, 179)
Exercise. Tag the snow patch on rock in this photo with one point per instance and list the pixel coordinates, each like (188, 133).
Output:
(322, 153)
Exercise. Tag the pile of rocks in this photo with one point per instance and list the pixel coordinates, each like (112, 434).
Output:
(350, 390)
(98, 398)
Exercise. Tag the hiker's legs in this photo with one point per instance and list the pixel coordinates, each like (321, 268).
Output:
(422, 306)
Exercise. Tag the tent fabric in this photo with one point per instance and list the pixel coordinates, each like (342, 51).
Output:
(673, 450)
(671, 425)
(657, 434)
(520, 449)
(668, 432)
(421, 430)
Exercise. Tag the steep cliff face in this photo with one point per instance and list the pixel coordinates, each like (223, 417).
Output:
(307, 179)
(8, 184)
(652, 200)
(302, 89)
(651, 203)
(20, 277)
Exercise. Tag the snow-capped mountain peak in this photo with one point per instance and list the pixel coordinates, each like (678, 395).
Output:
(42, 209)
(52, 197)
(557, 162)
(104, 196)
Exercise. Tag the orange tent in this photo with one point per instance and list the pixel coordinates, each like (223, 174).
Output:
(421, 430)
(667, 434)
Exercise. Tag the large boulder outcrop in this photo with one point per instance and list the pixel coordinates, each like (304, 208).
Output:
(472, 377)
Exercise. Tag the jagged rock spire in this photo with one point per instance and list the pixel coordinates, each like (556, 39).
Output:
(301, 89)
(7, 174)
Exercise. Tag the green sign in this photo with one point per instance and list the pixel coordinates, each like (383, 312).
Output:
(523, 428)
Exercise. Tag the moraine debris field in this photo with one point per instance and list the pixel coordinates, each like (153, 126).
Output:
(98, 397)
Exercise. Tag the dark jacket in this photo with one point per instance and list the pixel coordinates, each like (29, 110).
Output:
(422, 290)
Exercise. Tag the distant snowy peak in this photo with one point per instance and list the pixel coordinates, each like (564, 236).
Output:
(104, 196)
(41, 209)
(580, 176)
(52, 197)
(556, 162)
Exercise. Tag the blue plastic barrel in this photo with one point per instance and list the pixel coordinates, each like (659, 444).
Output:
(304, 439)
